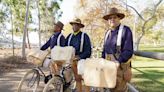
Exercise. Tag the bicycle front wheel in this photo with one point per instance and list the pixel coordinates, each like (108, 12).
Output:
(29, 82)
(54, 85)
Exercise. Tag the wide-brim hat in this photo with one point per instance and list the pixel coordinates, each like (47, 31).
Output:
(114, 11)
(77, 21)
(59, 24)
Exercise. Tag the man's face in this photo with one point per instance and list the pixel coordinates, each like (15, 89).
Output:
(75, 27)
(114, 21)
(56, 28)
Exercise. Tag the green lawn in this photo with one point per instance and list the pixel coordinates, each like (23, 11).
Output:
(153, 49)
(148, 74)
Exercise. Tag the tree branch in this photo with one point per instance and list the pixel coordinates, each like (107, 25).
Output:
(154, 10)
(134, 10)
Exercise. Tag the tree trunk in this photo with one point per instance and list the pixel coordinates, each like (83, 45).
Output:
(140, 37)
(12, 31)
(138, 42)
(28, 40)
(39, 32)
(25, 29)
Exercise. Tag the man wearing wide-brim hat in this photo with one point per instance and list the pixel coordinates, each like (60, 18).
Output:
(57, 39)
(81, 42)
(118, 47)
(53, 40)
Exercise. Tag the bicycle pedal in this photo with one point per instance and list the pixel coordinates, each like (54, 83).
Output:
(47, 78)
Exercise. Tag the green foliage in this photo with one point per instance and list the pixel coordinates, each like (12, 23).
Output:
(55, 6)
(151, 23)
(2, 16)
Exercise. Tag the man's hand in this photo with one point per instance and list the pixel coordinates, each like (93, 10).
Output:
(78, 78)
(77, 57)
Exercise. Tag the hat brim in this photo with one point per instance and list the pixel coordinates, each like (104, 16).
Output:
(120, 15)
(81, 25)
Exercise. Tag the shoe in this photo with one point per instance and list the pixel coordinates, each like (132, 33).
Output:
(47, 78)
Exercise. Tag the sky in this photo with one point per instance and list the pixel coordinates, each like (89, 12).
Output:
(67, 7)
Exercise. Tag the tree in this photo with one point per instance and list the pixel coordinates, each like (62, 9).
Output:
(51, 9)
(25, 29)
(12, 29)
(39, 32)
(10, 6)
(47, 17)
(145, 20)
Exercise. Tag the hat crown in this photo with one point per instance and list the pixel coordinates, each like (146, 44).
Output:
(78, 20)
(60, 24)
(113, 11)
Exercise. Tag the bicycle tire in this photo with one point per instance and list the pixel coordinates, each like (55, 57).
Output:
(54, 85)
(35, 76)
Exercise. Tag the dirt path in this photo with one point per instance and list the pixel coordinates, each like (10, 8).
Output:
(12, 69)
(9, 81)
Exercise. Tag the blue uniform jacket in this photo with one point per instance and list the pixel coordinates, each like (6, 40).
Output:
(126, 44)
(76, 41)
(53, 41)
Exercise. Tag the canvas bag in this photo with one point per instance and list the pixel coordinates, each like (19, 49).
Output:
(62, 53)
(99, 72)
(63, 56)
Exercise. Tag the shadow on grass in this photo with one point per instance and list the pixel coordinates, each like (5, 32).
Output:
(153, 75)
(149, 80)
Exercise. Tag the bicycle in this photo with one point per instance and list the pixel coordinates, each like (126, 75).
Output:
(61, 82)
(31, 79)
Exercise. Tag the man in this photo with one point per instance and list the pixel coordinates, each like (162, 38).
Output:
(57, 38)
(120, 53)
(81, 42)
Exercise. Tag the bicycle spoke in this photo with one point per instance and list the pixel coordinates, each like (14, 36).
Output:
(30, 82)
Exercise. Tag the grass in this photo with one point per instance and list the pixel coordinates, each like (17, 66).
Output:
(148, 74)
(153, 49)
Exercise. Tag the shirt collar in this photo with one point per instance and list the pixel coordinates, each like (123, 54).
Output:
(75, 33)
(56, 33)
(117, 28)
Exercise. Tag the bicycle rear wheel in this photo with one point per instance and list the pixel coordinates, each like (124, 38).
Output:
(54, 85)
(29, 82)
